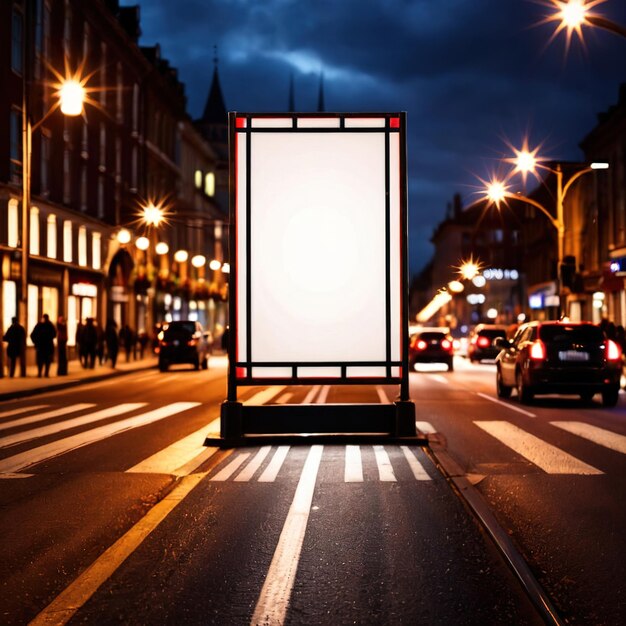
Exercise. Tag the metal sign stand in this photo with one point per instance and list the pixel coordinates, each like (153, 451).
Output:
(247, 424)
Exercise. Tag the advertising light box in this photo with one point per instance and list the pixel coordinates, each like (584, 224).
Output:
(318, 232)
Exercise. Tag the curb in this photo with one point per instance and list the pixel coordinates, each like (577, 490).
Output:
(35, 391)
(484, 516)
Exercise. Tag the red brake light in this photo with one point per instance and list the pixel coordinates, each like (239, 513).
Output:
(613, 351)
(421, 345)
(537, 351)
(446, 344)
(191, 342)
(483, 342)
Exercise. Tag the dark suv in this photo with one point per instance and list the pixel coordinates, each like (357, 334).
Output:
(559, 357)
(481, 340)
(183, 342)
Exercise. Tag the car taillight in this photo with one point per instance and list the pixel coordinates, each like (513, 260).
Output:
(483, 342)
(191, 342)
(446, 345)
(613, 351)
(421, 345)
(537, 351)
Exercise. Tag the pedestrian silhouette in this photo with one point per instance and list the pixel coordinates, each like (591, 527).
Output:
(89, 343)
(43, 337)
(127, 339)
(110, 337)
(61, 347)
(16, 348)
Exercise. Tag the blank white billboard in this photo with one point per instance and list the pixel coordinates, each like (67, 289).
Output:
(318, 247)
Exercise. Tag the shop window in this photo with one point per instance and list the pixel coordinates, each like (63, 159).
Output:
(82, 246)
(209, 184)
(13, 227)
(51, 236)
(34, 231)
(33, 311)
(9, 302)
(96, 251)
(50, 302)
(67, 241)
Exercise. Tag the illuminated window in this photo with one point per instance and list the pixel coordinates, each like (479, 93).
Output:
(67, 241)
(13, 225)
(50, 302)
(209, 184)
(51, 237)
(82, 246)
(96, 251)
(198, 179)
(34, 230)
(9, 302)
(33, 311)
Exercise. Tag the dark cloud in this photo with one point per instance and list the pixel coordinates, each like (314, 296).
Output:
(469, 73)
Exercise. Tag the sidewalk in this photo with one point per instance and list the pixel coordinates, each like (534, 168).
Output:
(11, 388)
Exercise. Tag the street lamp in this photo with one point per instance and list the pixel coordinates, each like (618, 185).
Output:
(526, 161)
(71, 96)
(572, 15)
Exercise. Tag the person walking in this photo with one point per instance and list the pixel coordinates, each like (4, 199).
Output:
(110, 337)
(79, 345)
(89, 343)
(127, 338)
(43, 336)
(16, 348)
(61, 346)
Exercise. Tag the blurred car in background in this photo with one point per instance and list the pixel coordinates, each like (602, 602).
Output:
(183, 342)
(559, 357)
(481, 342)
(431, 346)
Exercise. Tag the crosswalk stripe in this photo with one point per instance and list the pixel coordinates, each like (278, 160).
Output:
(508, 405)
(265, 395)
(23, 409)
(385, 471)
(549, 458)
(382, 395)
(271, 471)
(602, 437)
(40, 417)
(48, 451)
(177, 457)
(426, 427)
(312, 393)
(353, 472)
(284, 398)
(321, 399)
(416, 467)
(42, 431)
(248, 471)
(231, 468)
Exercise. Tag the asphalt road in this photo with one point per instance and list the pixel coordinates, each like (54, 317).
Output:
(126, 517)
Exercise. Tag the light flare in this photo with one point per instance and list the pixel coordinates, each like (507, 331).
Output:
(470, 268)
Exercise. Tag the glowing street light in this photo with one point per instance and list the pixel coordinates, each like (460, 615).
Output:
(72, 97)
(161, 248)
(124, 236)
(142, 243)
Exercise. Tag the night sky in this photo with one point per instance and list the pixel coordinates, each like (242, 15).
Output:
(471, 74)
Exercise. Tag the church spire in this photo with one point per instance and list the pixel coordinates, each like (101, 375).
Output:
(320, 98)
(291, 107)
(215, 109)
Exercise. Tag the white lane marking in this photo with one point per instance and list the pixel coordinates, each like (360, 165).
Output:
(178, 457)
(385, 471)
(40, 417)
(72, 598)
(312, 393)
(439, 378)
(382, 396)
(602, 437)
(271, 607)
(416, 467)
(48, 451)
(249, 470)
(506, 404)
(549, 458)
(353, 472)
(321, 399)
(265, 395)
(231, 468)
(42, 431)
(284, 398)
(23, 409)
(271, 471)
(425, 427)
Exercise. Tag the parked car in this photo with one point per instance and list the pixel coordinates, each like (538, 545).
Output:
(559, 357)
(431, 346)
(481, 342)
(183, 342)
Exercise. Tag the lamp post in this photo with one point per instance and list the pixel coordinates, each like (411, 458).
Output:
(526, 161)
(71, 98)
